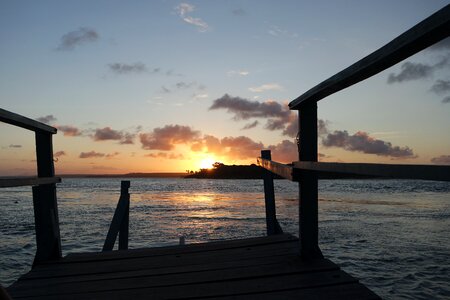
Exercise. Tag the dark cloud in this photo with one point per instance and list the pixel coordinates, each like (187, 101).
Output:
(107, 133)
(362, 142)
(121, 68)
(59, 154)
(47, 119)
(250, 125)
(15, 146)
(77, 37)
(414, 71)
(167, 137)
(441, 87)
(441, 160)
(103, 134)
(239, 12)
(69, 130)
(278, 116)
(446, 99)
(91, 154)
(112, 155)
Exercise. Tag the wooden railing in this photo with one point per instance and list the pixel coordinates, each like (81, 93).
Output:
(120, 221)
(46, 220)
(426, 33)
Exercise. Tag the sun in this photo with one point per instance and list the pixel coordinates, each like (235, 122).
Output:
(207, 163)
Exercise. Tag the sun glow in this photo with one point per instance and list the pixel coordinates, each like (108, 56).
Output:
(207, 163)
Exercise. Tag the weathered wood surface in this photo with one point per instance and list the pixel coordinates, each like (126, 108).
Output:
(259, 268)
(27, 181)
(426, 172)
(424, 34)
(280, 169)
(24, 122)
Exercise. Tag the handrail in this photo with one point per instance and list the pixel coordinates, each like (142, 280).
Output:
(24, 122)
(27, 181)
(280, 169)
(424, 34)
(424, 172)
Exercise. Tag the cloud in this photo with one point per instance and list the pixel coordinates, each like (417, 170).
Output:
(278, 116)
(277, 31)
(442, 45)
(77, 37)
(184, 10)
(138, 67)
(441, 160)
(238, 73)
(167, 137)
(107, 133)
(414, 71)
(446, 99)
(69, 130)
(250, 125)
(239, 12)
(362, 142)
(15, 146)
(441, 87)
(59, 154)
(91, 154)
(165, 155)
(46, 119)
(112, 155)
(266, 87)
(285, 151)
(240, 147)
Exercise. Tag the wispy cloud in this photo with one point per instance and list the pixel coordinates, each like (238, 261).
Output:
(59, 154)
(165, 155)
(77, 37)
(123, 68)
(184, 10)
(49, 119)
(250, 125)
(266, 87)
(239, 12)
(277, 31)
(238, 73)
(414, 71)
(91, 154)
(441, 160)
(15, 146)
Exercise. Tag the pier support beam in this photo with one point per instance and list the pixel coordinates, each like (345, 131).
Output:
(308, 204)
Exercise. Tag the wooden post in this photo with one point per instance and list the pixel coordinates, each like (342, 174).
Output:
(308, 210)
(123, 232)
(48, 240)
(269, 196)
(119, 223)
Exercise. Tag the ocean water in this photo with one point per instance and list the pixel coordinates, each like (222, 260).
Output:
(391, 234)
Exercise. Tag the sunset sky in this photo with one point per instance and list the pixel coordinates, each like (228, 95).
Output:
(169, 86)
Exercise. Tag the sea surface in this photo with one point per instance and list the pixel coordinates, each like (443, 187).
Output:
(394, 235)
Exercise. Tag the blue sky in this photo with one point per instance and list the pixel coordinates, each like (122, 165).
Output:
(151, 71)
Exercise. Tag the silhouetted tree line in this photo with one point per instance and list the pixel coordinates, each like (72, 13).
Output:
(222, 171)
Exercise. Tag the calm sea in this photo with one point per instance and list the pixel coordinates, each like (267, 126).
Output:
(392, 234)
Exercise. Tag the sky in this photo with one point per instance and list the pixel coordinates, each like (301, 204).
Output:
(170, 86)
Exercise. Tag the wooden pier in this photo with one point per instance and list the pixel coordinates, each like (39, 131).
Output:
(279, 266)
(255, 268)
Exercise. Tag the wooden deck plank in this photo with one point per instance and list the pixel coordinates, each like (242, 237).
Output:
(260, 268)
(159, 280)
(209, 288)
(188, 248)
(342, 291)
(124, 264)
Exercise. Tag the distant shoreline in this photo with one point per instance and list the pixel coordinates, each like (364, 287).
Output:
(128, 175)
